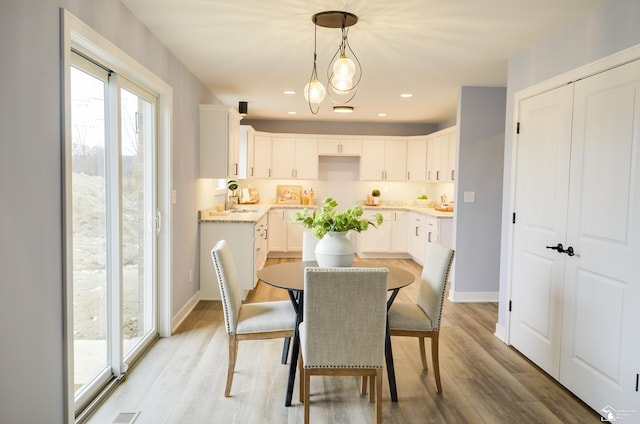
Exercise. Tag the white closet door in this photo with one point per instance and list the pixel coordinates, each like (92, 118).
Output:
(601, 319)
(541, 186)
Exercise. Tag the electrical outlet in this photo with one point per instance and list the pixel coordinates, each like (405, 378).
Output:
(469, 196)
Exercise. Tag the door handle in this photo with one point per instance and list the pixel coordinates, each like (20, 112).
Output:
(557, 247)
(569, 250)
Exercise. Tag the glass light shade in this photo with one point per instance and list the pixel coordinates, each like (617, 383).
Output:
(341, 85)
(314, 92)
(344, 67)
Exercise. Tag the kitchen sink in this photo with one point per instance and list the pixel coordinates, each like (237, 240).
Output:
(243, 210)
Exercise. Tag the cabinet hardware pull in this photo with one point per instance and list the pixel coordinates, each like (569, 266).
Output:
(570, 251)
(453, 175)
(438, 175)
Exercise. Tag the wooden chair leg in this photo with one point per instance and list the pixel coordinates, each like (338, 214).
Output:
(436, 361)
(378, 379)
(372, 388)
(233, 351)
(363, 385)
(423, 354)
(307, 389)
(301, 373)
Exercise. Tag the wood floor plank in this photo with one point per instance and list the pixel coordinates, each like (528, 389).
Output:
(182, 378)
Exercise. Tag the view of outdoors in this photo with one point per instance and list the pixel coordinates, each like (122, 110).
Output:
(104, 280)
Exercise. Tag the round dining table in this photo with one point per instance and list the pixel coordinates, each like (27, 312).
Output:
(290, 277)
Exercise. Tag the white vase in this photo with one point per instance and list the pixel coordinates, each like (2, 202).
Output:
(334, 250)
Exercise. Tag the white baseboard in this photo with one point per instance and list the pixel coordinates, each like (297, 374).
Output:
(501, 333)
(184, 312)
(461, 297)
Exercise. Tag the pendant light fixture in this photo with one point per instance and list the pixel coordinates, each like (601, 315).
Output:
(314, 91)
(343, 72)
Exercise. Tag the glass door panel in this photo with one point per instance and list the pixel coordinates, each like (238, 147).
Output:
(90, 288)
(138, 217)
(113, 206)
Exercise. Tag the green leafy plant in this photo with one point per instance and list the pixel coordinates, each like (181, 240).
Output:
(329, 219)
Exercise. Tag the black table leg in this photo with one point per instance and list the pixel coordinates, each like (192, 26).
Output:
(295, 348)
(285, 350)
(391, 373)
(388, 354)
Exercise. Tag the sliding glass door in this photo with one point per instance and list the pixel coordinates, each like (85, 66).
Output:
(113, 248)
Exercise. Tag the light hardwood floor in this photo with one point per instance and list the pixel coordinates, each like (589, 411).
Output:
(182, 378)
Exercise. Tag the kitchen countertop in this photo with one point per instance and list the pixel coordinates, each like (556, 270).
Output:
(253, 212)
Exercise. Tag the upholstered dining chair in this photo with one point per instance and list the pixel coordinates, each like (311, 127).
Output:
(422, 319)
(249, 321)
(343, 331)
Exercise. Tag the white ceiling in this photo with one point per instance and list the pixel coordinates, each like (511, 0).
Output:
(253, 50)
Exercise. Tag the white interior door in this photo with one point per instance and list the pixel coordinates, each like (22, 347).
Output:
(541, 186)
(600, 357)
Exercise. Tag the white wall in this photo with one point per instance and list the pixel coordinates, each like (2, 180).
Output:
(477, 225)
(31, 251)
(610, 29)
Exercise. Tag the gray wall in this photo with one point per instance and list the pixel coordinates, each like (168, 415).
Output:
(341, 128)
(31, 252)
(481, 112)
(610, 29)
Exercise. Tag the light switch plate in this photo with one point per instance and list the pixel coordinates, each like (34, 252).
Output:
(469, 196)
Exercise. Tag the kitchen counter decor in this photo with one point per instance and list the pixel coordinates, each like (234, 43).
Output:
(330, 227)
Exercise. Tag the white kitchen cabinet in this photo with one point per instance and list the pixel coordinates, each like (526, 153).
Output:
(219, 142)
(277, 240)
(423, 229)
(262, 156)
(399, 232)
(376, 240)
(339, 147)
(247, 241)
(294, 158)
(441, 155)
(389, 239)
(255, 153)
(285, 236)
(417, 159)
(417, 236)
(384, 160)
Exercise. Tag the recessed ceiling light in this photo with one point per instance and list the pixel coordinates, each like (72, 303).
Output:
(343, 109)
(292, 113)
(406, 95)
(382, 115)
(289, 92)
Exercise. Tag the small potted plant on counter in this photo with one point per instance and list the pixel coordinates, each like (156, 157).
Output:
(375, 197)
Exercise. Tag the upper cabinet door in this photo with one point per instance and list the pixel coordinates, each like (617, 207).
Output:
(306, 159)
(442, 155)
(384, 160)
(219, 141)
(282, 157)
(372, 164)
(417, 160)
(395, 154)
(261, 156)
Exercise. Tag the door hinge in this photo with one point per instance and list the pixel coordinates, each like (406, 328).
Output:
(509, 306)
(513, 218)
(518, 128)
